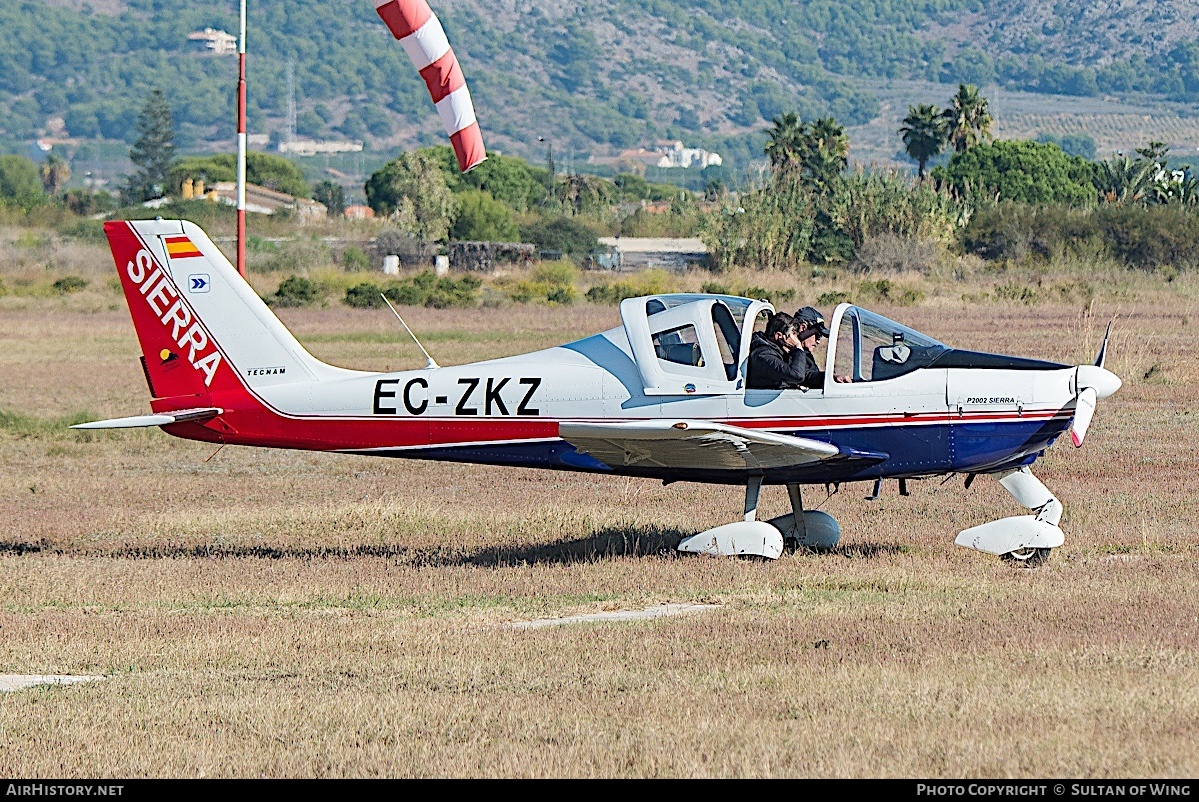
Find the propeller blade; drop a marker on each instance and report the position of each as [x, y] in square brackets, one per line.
[1084, 410]
[1099, 360]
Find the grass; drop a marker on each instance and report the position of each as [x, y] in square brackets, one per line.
[280, 613]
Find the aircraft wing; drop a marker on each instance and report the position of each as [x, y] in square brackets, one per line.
[696, 444]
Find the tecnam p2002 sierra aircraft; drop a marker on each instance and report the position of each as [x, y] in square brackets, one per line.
[661, 396]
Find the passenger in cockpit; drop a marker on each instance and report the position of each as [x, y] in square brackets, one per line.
[778, 360]
[781, 357]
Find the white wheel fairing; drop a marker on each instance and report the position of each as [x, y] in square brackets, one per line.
[738, 539]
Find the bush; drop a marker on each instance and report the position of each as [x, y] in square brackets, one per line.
[769, 229]
[85, 230]
[423, 289]
[295, 291]
[556, 273]
[563, 234]
[872, 204]
[364, 296]
[1146, 237]
[69, 284]
[886, 290]
[776, 297]
[550, 282]
[355, 259]
[896, 254]
[406, 295]
[648, 282]
[1017, 231]
[1150, 238]
[289, 255]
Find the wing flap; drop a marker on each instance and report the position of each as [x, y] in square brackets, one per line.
[157, 419]
[693, 444]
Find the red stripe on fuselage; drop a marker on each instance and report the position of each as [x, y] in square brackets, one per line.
[262, 426]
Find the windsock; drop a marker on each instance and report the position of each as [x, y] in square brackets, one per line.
[421, 34]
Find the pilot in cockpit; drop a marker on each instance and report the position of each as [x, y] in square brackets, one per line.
[781, 357]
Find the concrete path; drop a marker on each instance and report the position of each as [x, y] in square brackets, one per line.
[16, 682]
[658, 611]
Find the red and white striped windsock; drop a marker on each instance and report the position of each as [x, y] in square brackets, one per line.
[421, 34]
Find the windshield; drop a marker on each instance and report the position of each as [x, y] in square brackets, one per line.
[871, 347]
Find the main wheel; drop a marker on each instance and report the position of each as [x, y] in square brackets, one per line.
[1030, 557]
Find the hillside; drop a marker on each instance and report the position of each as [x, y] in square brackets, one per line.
[590, 78]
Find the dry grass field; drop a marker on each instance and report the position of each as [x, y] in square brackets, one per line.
[272, 613]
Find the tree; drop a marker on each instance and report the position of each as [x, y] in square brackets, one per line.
[54, 172]
[968, 119]
[1019, 170]
[152, 152]
[510, 180]
[263, 169]
[332, 195]
[413, 192]
[923, 134]
[785, 146]
[817, 153]
[275, 172]
[19, 182]
[825, 153]
[482, 218]
[1124, 180]
[1155, 151]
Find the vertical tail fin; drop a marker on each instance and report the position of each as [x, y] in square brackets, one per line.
[201, 327]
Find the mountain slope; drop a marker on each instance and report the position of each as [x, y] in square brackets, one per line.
[589, 77]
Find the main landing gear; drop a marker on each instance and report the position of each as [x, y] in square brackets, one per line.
[1024, 539]
[800, 528]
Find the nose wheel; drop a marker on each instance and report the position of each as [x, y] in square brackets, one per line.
[1028, 557]
[1023, 539]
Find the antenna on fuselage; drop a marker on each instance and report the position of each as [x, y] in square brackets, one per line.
[430, 362]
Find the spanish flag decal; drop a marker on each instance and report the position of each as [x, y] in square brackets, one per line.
[181, 248]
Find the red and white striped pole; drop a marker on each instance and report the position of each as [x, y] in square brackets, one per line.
[241, 146]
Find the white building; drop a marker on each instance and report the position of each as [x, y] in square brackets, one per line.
[675, 155]
[218, 42]
[311, 147]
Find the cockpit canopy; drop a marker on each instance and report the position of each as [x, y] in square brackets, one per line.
[697, 344]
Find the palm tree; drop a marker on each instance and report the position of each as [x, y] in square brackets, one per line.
[923, 134]
[786, 144]
[826, 153]
[54, 172]
[1124, 180]
[827, 135]
[967, 120]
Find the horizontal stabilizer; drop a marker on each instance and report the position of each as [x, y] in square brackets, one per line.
[158, 419]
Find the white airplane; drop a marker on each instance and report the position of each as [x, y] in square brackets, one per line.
[662, 396]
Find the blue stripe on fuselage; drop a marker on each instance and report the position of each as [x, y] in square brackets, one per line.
[919, 450]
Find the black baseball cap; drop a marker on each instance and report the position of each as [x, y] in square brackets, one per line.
[809, 321]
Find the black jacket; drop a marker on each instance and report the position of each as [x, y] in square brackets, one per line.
[772, 369]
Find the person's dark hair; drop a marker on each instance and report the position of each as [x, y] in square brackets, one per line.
[779, 323]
